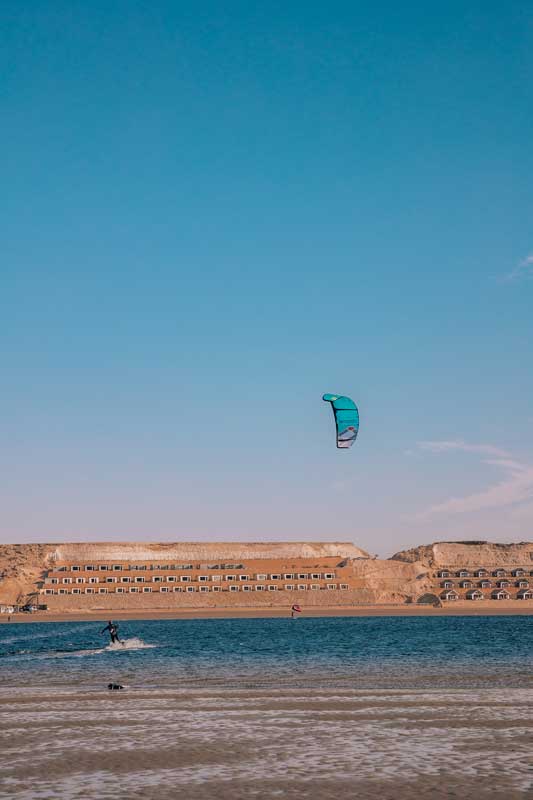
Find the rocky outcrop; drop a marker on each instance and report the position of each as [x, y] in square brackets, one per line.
[22, 566]
[388, 581]
[469, 554]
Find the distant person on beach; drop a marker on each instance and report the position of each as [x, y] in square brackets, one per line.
[295, 610]
[113, 631]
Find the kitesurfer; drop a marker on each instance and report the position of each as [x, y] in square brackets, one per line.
[112, 627]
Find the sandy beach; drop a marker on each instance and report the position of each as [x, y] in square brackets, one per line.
[455, 609]
[271, 743]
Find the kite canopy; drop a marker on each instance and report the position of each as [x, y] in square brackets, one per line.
[346, 419]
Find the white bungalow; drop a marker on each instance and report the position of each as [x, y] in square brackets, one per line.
[518, 573]
[525, 594]
[523, 584]
[465, 584]
[500, 594]
[499, 573]
[447, 584]
[444, 573]
[481, 573]
[464, 573]
[475, 594]
[485, 584]
[502, 584]
[449, 595]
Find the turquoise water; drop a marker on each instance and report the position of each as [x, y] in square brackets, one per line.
[351, 652]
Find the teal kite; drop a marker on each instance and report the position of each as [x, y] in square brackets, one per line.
[346, 419]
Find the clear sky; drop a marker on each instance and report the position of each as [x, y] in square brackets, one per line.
[211, 214]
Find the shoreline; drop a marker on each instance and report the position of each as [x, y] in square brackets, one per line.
[471, 610]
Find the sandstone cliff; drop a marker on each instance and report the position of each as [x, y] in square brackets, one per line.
[469, 554]
[201, 551]
[23, 565]
[404, 577]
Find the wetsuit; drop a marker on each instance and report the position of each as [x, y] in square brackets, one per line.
[113, 632]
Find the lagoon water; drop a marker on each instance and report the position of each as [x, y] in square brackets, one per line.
[356, 652]
[311, 708]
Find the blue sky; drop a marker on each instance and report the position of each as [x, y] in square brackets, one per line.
[213, 214]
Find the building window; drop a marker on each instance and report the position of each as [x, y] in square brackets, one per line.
[139, 580]
[94, 580]
[110, 580]
[191, 589]
[315, 576]
[261, 577]
[75, 569]
[329, 575]
[164, 589]
[216, 577]
[185, 579]
[206, 588]
[331, 586]
[67, 580]
[272, 587]
[158, 578]
[244, 577]
[289, 587]
[171, 579]
[315, 586]
[215, 589]
[343, 586]
[288, 576]
[275, 577]
[231, 577]
[147, 589]
[117, 567]
[234, 588]
[259, 588]
[126, 580]
[62, 591]
[245, 588]
[88, 590]
[134, 589]
[80, 580]
[103, 567]
[49, 591]
[119, 590]
[54, 580]
[76, 591]
[302, 576]
[102, 590]
[302, 587]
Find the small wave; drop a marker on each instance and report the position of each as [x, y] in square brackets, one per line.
[128, 644]
[117, 647]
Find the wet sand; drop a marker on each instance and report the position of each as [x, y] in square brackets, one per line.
[266, 743]
[487, 608]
